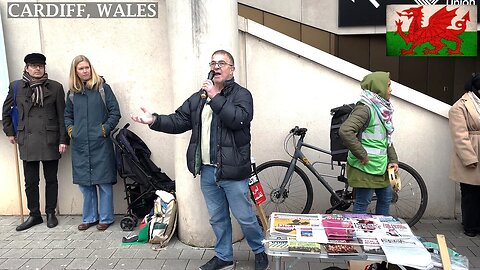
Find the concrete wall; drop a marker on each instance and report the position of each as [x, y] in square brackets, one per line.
[296, 85]
[132, 55]
[319, 14]
[292, 84]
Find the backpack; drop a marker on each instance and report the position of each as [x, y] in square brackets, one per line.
[13, 109]
[339, 115]
[102, 94]
[164, 221]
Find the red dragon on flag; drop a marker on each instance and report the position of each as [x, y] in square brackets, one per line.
[439, 28]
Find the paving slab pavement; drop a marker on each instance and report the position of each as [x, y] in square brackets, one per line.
[65, 247]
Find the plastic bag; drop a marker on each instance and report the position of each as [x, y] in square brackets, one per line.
[458, 261]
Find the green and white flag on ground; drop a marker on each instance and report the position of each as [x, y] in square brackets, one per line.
[433, 30]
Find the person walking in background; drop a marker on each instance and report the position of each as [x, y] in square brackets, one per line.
[369, 156]
[464, 122]
[91, 113]
[219, 116]
[41, 135]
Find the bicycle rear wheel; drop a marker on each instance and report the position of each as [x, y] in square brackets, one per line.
[411, 201]
[298, 194]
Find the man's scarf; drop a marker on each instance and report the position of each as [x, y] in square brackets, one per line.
[37, 87]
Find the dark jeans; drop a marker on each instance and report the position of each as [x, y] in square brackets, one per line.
[32, 179]
[469, 204]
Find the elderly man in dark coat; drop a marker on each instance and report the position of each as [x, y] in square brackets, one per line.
[41, 134]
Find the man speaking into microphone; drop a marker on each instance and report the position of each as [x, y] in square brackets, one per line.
[219, 115]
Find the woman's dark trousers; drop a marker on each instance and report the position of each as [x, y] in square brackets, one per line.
[470, 205]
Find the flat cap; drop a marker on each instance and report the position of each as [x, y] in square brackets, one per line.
[35, 58]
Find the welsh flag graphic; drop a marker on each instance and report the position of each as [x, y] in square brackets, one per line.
[433, 30]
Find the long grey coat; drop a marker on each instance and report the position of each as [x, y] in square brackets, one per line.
[93, 159]
[40, 129]
[464, 122]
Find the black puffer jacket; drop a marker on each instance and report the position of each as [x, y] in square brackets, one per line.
[234, 109]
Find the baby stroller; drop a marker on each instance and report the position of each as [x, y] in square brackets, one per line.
[140, 175]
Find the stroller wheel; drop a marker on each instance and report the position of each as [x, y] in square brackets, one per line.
[128, 223]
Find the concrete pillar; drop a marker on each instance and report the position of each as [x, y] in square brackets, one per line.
[196, 28]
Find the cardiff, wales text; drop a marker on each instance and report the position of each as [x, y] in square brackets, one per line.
[82, 10]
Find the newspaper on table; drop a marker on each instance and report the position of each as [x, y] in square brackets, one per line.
[367, 227]
[311, 234]
[284, 224]
[301, 232]
[278, 245]
[343, 248]
[397, 230]
[349, 234]
[406, 251]
[303, 247]
[338, 227]
[371, 246]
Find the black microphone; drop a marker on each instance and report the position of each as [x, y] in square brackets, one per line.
[210, 76]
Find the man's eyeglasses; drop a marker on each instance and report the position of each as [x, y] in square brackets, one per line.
[220, 64]
[35, 66]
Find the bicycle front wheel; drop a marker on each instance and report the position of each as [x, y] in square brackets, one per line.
[411, 201]
[298, 194]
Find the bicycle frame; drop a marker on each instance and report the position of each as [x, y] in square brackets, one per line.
[299, 155]
[287, 176]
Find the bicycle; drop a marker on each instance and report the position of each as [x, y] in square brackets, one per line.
[289, 189]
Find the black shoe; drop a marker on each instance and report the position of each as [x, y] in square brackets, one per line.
[31, 221]
[470, 233]
[52, 220]
[217, 264]
[261, 261]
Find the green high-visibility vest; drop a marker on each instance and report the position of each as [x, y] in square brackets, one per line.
[374, 140]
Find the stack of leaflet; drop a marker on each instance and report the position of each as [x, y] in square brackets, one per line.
[353, 235]
[340, 233]
[295, 233]
[402, 247]
[338, 227]
[283, 225]
[406, 251]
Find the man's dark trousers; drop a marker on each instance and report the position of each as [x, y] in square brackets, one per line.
[32, 180]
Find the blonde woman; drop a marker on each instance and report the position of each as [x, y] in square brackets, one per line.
[91, 113]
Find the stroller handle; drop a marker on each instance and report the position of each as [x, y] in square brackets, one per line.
[112, 134]
[115, 130]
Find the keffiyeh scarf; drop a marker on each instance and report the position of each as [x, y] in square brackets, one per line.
[382, 107]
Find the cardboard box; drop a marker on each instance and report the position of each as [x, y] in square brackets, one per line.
[358, 265]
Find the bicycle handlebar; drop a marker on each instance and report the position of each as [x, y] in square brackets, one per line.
[298, 131]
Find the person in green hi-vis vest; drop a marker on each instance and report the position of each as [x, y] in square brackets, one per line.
[371, 152]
